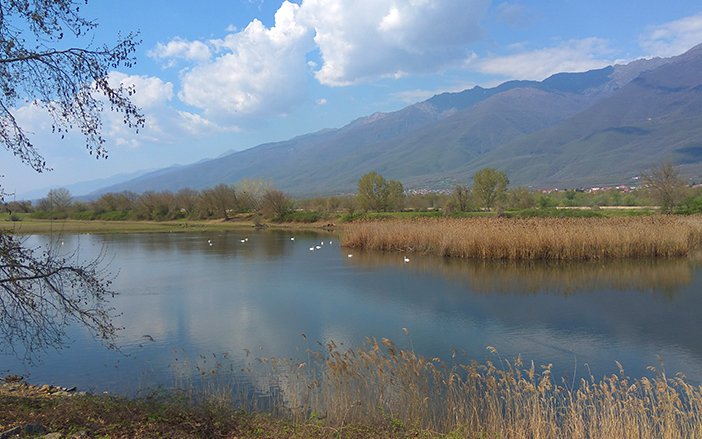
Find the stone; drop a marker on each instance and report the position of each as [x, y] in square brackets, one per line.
[11, 432]
[54, 436]
[13, 378]
[34, 429]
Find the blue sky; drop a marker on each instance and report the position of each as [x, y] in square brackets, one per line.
[231, 74]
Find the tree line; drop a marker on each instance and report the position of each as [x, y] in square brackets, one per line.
[256, 196]
[490, 191]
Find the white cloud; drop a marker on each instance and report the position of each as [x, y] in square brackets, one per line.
[181, 49]
[257, 71]
[260, 72]
[570, 56]
[365, 40]
[150, 91]
[673, 38]
[164, 124]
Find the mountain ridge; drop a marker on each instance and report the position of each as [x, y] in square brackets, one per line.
[536, 131]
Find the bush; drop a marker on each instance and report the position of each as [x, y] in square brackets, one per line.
[50, 215]
[88, 215]
[115, 215]
[300, 217]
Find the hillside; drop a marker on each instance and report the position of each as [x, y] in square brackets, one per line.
[571, 129]
[656, 116]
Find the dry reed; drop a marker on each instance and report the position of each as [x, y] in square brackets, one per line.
[567, 239]
[379, 385]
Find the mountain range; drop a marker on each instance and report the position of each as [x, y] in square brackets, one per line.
[599, 127]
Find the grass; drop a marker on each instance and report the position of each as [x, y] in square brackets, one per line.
[566, 239]
[37, 226]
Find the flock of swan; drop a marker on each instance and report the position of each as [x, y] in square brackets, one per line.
[313, 248]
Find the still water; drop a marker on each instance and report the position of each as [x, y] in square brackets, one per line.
[260, 290]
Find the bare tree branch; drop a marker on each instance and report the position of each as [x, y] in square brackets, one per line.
[41, 294]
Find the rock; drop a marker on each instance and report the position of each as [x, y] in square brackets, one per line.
[13, 378]
[11, 432]
[54, 436]
[34, 429]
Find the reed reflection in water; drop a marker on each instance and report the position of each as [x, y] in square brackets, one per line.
[531, 277]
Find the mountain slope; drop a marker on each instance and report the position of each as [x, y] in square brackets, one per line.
[656, 116]
[570, 128]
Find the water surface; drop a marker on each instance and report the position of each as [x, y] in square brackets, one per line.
[260, 290]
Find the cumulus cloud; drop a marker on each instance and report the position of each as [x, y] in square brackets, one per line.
[179, 48]
[365, 40]
[256, 71]
[570, 56]
[164, 124]
[673, 38]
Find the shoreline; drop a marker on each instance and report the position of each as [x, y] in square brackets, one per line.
[68, 226]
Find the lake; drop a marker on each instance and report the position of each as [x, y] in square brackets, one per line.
[260, 290]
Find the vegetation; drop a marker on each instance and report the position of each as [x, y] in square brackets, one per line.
[41, 292]
[69, 83]
[382, 391]
[489, 187]
[665, 185]
[262, 198]
[375, 194]
[531, 239]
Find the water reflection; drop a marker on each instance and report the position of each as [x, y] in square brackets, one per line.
[663, 276]
[231, 244]
[209, 293]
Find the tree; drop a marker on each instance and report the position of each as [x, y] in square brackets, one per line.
[67, 82]
[665, 185]
[218, 200]
[396, 195]
[275, 203]
[41, 293]
[489, 186]
[461, 197]
[187, 200]
[57, 200]
[522, 198]
[250, 193]
[373, 192]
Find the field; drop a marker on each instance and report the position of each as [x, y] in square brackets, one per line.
[37, 226]
[567, 239]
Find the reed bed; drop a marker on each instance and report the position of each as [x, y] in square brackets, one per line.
[563, 239]
[383, 387]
